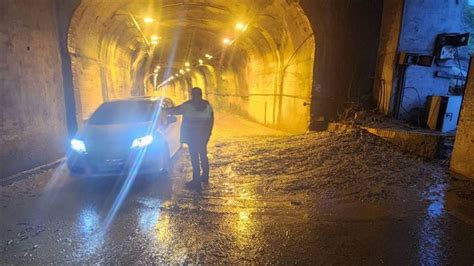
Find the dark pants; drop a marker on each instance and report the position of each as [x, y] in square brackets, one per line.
[199, 160]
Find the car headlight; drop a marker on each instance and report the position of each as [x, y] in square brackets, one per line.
[78, 145]
[142, 142]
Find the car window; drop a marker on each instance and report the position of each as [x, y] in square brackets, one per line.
[123, 112]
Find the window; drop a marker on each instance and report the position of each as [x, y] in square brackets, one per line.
[123, 112]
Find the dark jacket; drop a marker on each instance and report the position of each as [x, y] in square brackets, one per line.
[198, 121]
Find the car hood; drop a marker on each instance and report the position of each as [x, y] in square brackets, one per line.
[118, 136]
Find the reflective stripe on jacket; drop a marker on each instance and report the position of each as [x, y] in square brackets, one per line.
[197, 124]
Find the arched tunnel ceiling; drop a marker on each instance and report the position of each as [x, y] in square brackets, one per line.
[187, 29]
[112, 38]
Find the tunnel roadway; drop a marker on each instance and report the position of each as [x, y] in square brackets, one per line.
[273, 198]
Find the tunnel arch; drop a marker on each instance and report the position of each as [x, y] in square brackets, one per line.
[266, 74]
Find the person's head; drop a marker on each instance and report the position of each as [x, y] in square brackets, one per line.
[196, 93]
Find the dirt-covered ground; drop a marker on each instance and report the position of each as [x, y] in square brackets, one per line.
[317, 198]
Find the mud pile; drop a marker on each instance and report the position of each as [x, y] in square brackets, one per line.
[350, 164]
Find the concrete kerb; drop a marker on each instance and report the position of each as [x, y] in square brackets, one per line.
[5, 181]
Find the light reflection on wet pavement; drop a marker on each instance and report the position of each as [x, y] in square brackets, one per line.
[333, 203]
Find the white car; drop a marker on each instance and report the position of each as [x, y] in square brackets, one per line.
[126, 135]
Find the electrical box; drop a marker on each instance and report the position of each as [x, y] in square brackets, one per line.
[447, 44]
[443, 112]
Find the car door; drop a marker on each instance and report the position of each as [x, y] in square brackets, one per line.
[171, 131]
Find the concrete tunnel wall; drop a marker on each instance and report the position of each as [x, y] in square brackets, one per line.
[105, 57]
[33, 116]
[462, 162]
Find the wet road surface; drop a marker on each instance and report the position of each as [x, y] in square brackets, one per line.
[320, 198]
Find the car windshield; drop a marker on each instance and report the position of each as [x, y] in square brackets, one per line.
[123, 112]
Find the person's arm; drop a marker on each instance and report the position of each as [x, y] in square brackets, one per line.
[177, 110]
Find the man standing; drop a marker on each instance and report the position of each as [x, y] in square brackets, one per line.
[196, 129]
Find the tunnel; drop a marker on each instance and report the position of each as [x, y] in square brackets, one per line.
[311, 146]
[252, 58]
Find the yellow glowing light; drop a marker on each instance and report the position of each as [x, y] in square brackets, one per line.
[158, 67]
[188, 69]
[208, 55]
[227, 41]
[154, 42]
[243, 216]
[201, 61]
[156, 71]
[177, 75]
[148, 20]
[187, 64]
[181, 71]
[241, 26]
[154, 37]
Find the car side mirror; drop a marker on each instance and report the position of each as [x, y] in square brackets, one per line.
[171, 119]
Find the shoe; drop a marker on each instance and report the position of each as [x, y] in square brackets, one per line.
[193, 185]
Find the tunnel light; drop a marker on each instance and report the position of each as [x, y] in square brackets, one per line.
[201, 61]
[187, 64]
[188, 69]
[158, 67]
[227, 41]
[181, 71]
[176, 75]
[148, 20]
[154, 42]
[207, 55]
[154, 37]
[241, 26]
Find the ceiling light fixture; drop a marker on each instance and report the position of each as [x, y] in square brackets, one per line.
[241, 26]
[148, 20]
[227, 41]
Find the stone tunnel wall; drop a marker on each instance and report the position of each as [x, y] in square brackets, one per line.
[347, 36]
[103, 62]
[33, 127]
[463, 154]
